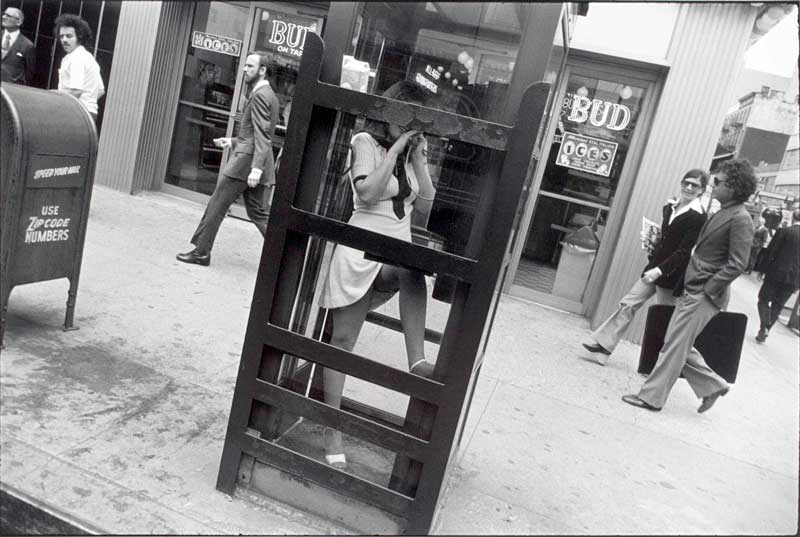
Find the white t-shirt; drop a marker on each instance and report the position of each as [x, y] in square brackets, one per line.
[80, 71]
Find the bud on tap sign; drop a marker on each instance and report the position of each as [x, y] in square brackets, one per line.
[597, 112]
[286, 34]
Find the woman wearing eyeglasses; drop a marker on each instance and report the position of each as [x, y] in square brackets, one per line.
[683, 219]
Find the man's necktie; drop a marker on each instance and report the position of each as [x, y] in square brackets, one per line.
[6, 43]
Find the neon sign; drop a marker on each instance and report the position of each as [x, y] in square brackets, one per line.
[599, 113]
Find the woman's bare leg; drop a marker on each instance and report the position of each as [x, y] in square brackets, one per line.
[347, 323]
[413, 307]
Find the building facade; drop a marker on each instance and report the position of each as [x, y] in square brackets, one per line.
[633, 106]
[788, 179]
[759, 131]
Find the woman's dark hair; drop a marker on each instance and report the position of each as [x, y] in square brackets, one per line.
[82, 30]
[697, 173]
[402, 91]
[740, 177]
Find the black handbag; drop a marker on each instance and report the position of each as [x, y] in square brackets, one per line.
[720, 342]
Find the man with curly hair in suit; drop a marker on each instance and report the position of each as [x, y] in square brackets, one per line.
[719, 257]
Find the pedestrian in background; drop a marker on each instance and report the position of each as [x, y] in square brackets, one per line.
[79, 73]
[760, 238]
[251, 170]
[682, 219]
[781, 268]
[719, 257]
[19, 55]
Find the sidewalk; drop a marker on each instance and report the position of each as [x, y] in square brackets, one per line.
[120, 425]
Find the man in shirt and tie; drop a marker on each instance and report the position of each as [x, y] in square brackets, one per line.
[19, 55]
[251, 169]
[719, 257]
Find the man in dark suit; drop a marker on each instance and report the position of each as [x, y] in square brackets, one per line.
[720, 256]
[781, 269]
[251, 170]
[19, 55]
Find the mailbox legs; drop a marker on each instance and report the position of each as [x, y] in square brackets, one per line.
[71, 295]
[3, 312]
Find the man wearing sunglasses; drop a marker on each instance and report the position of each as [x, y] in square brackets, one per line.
[718, 258]
[19, 55]
[683, 218]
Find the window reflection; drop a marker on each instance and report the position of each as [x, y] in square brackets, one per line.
[206, 97]
[465, 52]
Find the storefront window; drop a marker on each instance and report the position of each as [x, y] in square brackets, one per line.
[469, 50]
[283, 33]
[40, 16]
[212, 94]
[597, 120]
[206, 98]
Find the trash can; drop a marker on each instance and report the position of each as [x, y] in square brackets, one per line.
[578, 251]
[49, 145]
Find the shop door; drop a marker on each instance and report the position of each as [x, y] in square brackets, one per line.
[279, 28]
[213, 93]
[591, 159]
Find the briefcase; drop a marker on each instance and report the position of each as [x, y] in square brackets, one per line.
[720, 342]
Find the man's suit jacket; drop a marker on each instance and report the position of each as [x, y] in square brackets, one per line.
[19, 65]
[673, 250]
[721, 254]
[252, 148]
[782, 257]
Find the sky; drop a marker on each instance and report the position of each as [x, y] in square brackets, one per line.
[777, 51]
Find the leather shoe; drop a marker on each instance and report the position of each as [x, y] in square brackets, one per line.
[762, 335]
[195, 257]
[596, 348]
[635, 401]
[709, 400]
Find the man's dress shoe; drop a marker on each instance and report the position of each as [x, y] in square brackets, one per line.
[195, 258]
[762, 335]
[596, 348]
[709, 400]
[635, 401]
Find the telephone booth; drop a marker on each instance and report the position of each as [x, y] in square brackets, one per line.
[400, 430]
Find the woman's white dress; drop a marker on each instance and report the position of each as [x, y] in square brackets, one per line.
[350, 275]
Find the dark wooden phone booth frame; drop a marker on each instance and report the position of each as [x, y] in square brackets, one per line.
[438, 407]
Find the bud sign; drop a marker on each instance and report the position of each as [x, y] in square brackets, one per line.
[285, 34]
[580, 109]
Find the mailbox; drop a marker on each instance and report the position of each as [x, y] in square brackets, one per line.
[49, 144]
